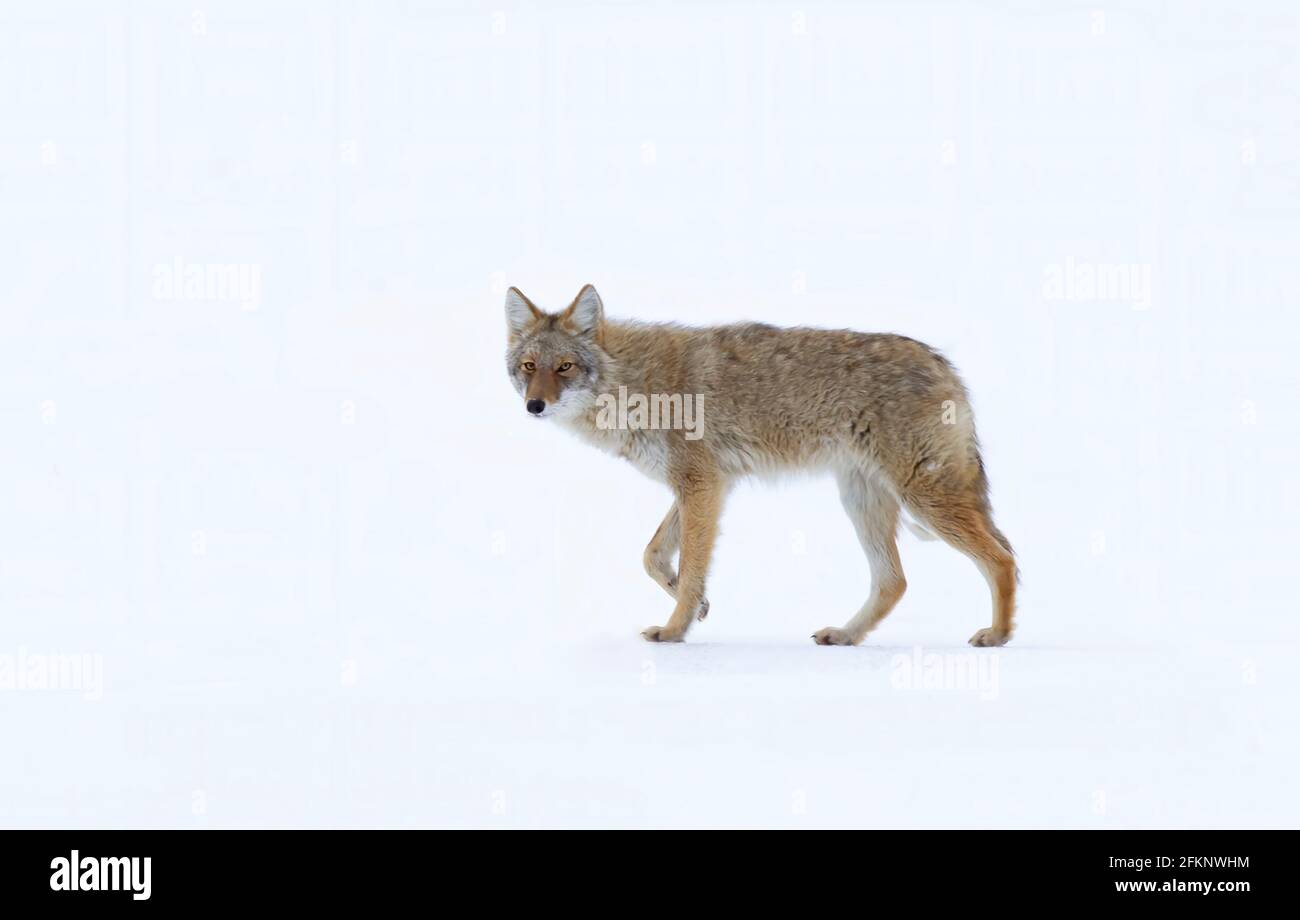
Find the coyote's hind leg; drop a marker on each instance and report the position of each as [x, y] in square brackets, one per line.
[967, 525]
[874, 512]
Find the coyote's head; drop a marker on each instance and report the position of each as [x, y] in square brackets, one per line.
[556, 360]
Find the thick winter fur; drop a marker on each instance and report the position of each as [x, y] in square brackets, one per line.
[886, 415]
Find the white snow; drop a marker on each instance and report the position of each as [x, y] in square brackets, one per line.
[335, 576]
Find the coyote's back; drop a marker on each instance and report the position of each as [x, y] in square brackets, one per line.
[792, 398]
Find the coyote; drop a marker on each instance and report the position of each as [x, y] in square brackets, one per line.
[886, 414]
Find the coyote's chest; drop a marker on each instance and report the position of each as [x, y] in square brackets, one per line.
[645, 450]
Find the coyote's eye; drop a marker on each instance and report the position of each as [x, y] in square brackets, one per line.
[529, 367]
[565, 367]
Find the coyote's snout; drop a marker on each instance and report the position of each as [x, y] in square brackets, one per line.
[698, 409]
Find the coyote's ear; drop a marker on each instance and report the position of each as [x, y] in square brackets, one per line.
[586, 314]
[520, 312]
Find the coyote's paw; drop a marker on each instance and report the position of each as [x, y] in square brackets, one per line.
[660, 634]
[703, 611]
[832, 635]
[990, 637]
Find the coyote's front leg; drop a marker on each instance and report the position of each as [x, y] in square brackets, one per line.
[659, 554]
[699, 504]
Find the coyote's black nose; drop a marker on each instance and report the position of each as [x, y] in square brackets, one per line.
[536, 406]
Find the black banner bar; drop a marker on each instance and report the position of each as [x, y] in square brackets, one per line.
[368, 868]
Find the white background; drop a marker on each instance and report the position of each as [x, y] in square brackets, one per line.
[337, 577]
